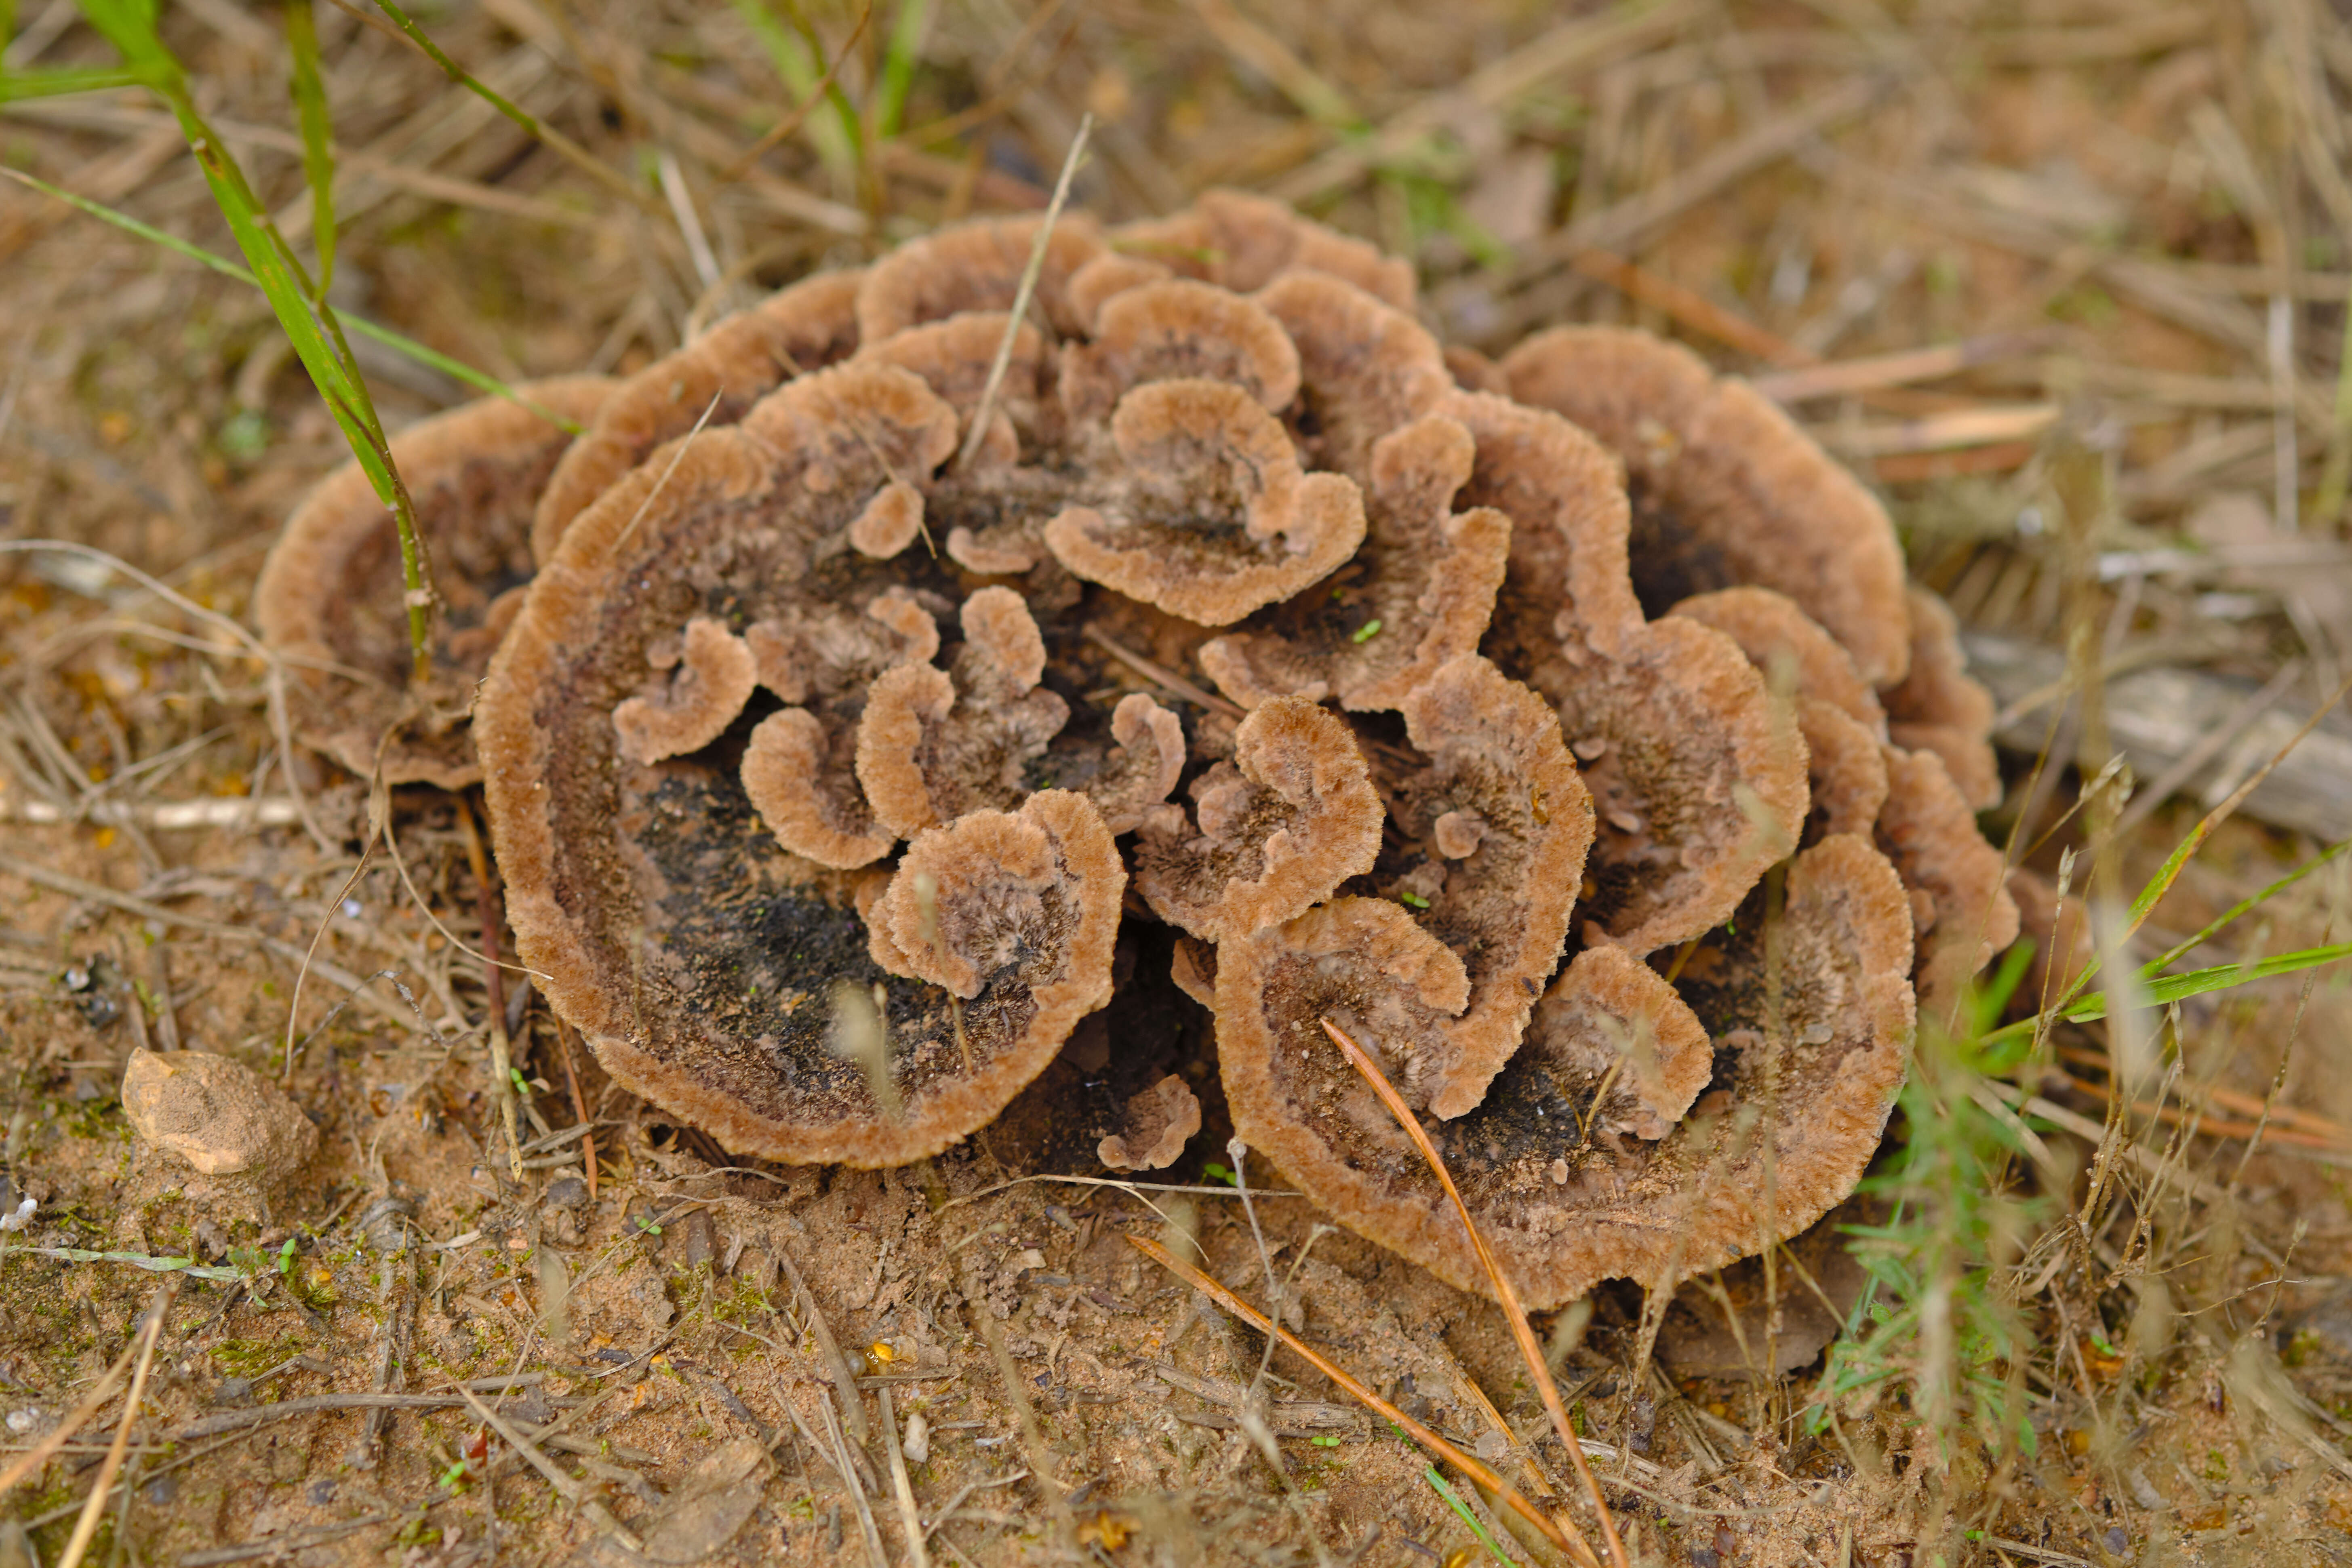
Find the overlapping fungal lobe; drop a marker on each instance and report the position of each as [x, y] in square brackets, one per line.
[699, 952]
[1803, 1034]
[1725, 489]
[934, 744]
[1216, 518]
[976, 266]
[1960, 903]
[331, 599]
[1243, 242]
[1417, 592]
[1938, 707]
[1698, 780]
[1503, 825]
[712, 380]
[1697, 784]
[698, 686]
[799, 764]
[1271, 832]
[1159, 1121]
[1838, 715]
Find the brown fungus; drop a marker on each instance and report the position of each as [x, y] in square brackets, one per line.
[992, 892]
[1726, 488]
[699, 686]
[1938, 707]
[956, 358]
[711, 382]
[1179, 330]
[331, 599]
[1837, 714]
[1770, 630]
[1696, 783]
[1143, 770]
[976, 266]
[1242, 242]
[800, 765]
[1643, 1053]
[1417, 592]
[1159, 1121]
[1567, 1201]
[1845, 767]
[1960, 903]
[1218, 518]
[1288, 819]
[934, 746]
[1364, 368]
[1502, 905]
[697, 953]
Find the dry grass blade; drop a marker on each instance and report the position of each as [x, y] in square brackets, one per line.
[30, 1461]
[571, 1491]
[1020, 296]
[95, 1508]
[1508, 1298]
[1477, 1471]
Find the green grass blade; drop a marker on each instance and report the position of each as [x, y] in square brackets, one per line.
[2220, 977]
[2155, 967]
[799, 66]
[318, 136]
[18, 86]
[306, 322]
[547, 134]
[898, 61]
[456, 369]
[1429, 1473]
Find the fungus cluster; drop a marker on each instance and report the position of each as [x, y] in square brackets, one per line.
[881, 736]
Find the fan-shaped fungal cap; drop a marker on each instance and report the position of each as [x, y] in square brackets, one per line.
[1846, 768]
[1144, 769]
[975, 267]
[1564, 1201]
[1641, 1053]
[1502, 904]
[1771, 628]
[1961, 904]
[712, 380]
[1242, 242]
[1565, 495]
[1838, 716]
[1159, 1121]
[1698, 782]
[932, 747]
[1418, 592]
[1220, 519]
[1292, 816]
[1364, 368]
[1035, 891]
[331, 599]
[699, 687]
[1726, 488]
[1179, 330]
[1939, 708]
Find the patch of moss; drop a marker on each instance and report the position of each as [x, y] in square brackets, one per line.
[251, 1358]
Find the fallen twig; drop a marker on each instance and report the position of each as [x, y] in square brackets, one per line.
[1420, 1434]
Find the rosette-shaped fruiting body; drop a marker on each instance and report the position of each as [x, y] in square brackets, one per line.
[813, 682]
[1556, 1163]
[331, 600]
[883, 763]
